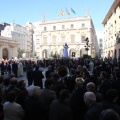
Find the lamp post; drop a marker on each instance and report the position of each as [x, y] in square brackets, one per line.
[87, 45]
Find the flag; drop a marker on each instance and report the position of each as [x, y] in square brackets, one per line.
[62, 13]
[57, 12]
[72, 11]
[67, 12]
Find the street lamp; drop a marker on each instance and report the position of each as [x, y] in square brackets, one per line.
[87, 45]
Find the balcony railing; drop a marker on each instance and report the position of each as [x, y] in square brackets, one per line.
[60, 43]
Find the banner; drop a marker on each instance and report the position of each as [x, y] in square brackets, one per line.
[67, 12]
[62, 13]
[72, 11]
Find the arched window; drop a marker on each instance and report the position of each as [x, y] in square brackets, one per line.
[72, 38]
[63, 39]
[83, 37]
[54, 39]
[5, 53]
[45, 40]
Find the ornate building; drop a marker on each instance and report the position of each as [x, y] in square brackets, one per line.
[21, 34]
[50, 36]
[111, 24]
[8, 48]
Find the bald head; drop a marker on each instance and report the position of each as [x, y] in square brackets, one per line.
[90, 87]
[89, 98]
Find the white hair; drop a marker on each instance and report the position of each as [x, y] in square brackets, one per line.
[34, 91]
[89, 98]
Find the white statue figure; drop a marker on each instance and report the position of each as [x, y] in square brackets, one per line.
[65, 50]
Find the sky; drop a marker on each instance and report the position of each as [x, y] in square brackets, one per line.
[22, 11]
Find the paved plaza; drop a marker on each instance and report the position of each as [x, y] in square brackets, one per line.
[25, 78]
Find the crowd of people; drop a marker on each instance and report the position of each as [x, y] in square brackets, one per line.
[74, 89]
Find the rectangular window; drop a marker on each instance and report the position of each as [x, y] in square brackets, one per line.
[44, 40]
[72, 26]
[83, 24]
[101, 45]
[83, 39]
[45, 28]
[63, 26]
[72, 38]
[100, 40]
[54, 27]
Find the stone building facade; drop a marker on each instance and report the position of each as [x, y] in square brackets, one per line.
[50, 36]
[8, 48]
[111, 24]
[21, 34]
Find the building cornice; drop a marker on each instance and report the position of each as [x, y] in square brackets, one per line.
[8, 41]
[114, 5]
[73, 19]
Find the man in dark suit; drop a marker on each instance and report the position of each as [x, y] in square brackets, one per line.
[60, 109]
[110, 100]
[15, 68]
[9, 67]
[38, 76]
[48, 95]
[116, 82]
[94, 108]
[58, 84]
[106, 83]
[70, 81]
[29, 75]
[48, 72]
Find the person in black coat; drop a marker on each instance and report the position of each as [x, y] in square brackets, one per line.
[29, 73]
[77, 102]
[58, 84]
[110, 100]
[48, 72]
[38, 76]
[116, 82]
[109, 114]
[13, 86]
[106, 83]
[2, 67]
[70, 81]
[34, 108]
[9, 67]
[86, 77]
[60, 109]
[90, 87]
[15, 68]
[94, 109]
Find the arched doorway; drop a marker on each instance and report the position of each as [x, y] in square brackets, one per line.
[5, 53]
[45, 53]
[82, 52]
[72, 53]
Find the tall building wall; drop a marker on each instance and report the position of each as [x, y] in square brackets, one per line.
[111, 24]
[50, 36]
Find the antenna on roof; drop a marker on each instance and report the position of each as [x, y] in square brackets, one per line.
[13, 21]
[43, 17]
[87, 12]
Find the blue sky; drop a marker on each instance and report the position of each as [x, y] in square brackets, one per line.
[22, 11]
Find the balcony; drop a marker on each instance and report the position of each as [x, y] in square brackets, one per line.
[59, 43]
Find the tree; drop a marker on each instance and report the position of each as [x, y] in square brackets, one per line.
[20, 52]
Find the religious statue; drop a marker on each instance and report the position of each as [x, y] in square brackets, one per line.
[65, 50]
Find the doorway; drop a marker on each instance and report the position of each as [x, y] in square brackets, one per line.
[5, 54]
